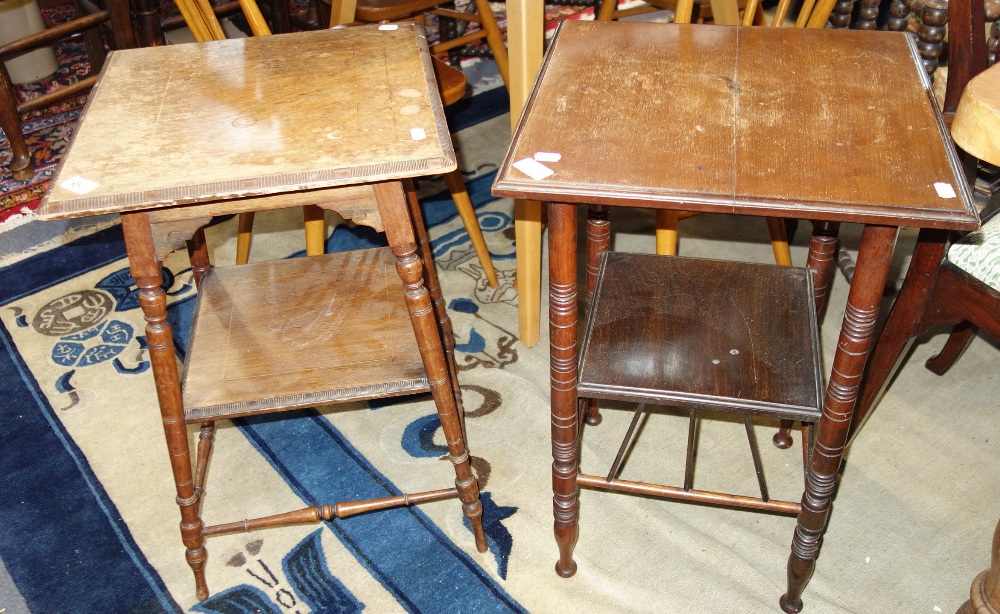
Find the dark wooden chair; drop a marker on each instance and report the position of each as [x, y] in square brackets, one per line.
[976, 129]
[112, 16]
[932, 31]
[948, 282]
[648, 341]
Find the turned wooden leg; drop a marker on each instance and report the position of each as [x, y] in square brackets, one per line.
[563, 365]
[984, 596]
[868, 15]
[822, 262]
[148, 275]
[399, 231]
[841, 15]
[959, 339]
[598, 242]
[437, 299]
[10, 122]
[930, 36]
[855, 340]
[459, 194]
[903, 322]
[198, 255]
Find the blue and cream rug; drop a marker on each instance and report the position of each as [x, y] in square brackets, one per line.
[88, 521]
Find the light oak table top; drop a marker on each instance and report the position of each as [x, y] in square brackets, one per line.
[251, 117]
[817, 124]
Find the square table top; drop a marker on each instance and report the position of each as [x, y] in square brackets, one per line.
[256, 116]
[817, 124]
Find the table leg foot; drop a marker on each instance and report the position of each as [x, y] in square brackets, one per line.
[783, 438]
[566, 540]
[799, 572]
[593, 413]
[564, 570]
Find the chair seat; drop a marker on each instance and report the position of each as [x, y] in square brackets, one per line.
[382, 10]
[703, 334]
[336, 328]
[978, 253]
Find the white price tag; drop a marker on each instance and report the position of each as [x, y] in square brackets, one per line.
[547, 156]
[79, 185]
[945, 190]
[533, 168]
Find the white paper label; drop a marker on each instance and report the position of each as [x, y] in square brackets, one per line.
[533, 168]
[418, 134]
[388, 26]
[548, 156]
[945, 190]
[79, 185]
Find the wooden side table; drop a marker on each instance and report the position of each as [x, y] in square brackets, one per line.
[758, 121]
[175, 135]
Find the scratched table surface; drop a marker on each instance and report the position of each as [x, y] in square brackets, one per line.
[205, 122]
[837, 125]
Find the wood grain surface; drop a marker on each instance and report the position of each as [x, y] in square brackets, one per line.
[229, 119]
[298, 332]
[836, 125]
[697, 333]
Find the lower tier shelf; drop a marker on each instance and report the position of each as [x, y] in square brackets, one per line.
[301, 332]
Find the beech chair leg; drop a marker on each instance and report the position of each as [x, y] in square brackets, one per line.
[459, 194]
[494, 39]
[399, 231]
[315, 227]
[779, 241]
[666, 232]
[244, 237]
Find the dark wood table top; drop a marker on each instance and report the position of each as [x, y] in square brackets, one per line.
[233, 119]
[817, 124]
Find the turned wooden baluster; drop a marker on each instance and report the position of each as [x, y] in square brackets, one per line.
[822, 262]
[598, 242]
[841, 15]
[868, 15]
[855, 340]
[148, 274]
[993, 42]
[933, 16]
[563, 360]
[393, 208]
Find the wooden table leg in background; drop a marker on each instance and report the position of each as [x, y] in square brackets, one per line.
[563, 363]
[855, 341]
[525, 44]
[985, 593]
